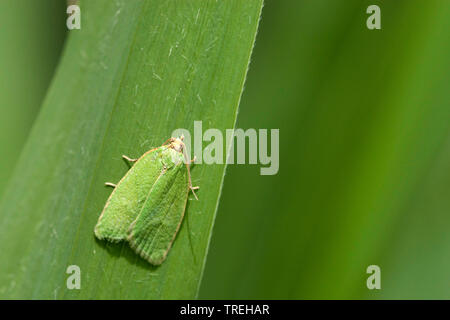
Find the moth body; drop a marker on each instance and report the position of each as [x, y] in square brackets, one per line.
[147, 206]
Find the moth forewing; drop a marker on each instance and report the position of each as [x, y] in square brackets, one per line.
[154, 230]
[125, 201]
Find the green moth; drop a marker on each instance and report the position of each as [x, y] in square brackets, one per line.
[147, 206]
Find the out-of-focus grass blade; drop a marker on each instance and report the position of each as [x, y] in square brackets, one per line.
[135, 71]
[30, 45]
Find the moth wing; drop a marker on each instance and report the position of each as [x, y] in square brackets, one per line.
[154, 230]
[128, 197]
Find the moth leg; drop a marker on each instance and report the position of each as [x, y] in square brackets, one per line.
[129, 159]
[190, 182]
[170, 140]
[109, 184]
[188, 165]
[192, 189]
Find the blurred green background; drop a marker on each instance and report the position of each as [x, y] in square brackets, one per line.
[364, 147]
[364, 157]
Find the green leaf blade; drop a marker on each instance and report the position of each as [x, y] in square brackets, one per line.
[135, 71]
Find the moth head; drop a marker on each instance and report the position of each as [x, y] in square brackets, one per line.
[177, 144]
